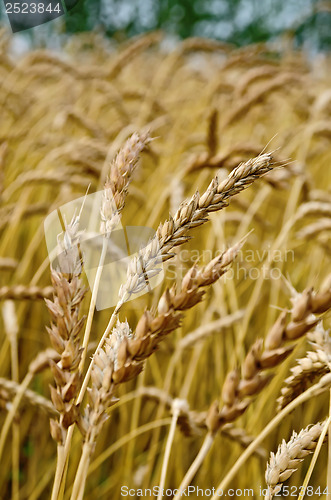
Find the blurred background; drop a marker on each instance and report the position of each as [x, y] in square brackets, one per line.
[306, 23]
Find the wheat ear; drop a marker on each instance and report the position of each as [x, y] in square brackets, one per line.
[314, 365]
[23, 292]
[113, 200]
[191, 213]
[285, 461]
[64, 332]
[239, 388]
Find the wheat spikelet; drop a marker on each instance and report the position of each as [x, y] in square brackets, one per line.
[314, 365]
[229, 159]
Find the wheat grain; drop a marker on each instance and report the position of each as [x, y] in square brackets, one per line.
[65, 329]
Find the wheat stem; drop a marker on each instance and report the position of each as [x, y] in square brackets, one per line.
[92, 304]
[60, 464]
[196, 464]
[170, 439]
[80, 479]
[14, 406]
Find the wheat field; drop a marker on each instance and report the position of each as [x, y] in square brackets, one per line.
[219, 376]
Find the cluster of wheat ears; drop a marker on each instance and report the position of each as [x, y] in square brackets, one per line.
[199, 379]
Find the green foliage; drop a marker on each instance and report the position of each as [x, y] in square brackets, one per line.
[236, 21]
[239, 22]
